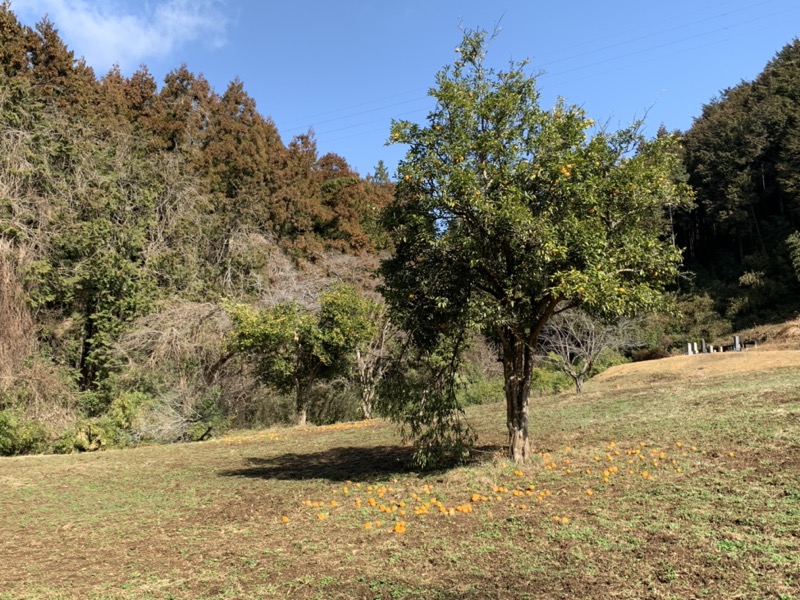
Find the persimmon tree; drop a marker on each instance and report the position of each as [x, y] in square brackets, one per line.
[293, 347]
[505, 213]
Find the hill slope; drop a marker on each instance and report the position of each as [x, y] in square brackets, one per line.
[699, 367]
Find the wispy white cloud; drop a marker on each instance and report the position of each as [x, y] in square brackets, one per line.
[106, 32]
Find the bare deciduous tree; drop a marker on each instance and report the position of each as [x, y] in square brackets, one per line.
[372, 359]
[573, 340]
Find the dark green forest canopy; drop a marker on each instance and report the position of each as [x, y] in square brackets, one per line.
[742, 156]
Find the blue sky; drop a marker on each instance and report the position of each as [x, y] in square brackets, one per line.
[347, 68]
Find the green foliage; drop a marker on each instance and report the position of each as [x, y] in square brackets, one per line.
[115, 425]
[481, 390]
[292, 347]
[504, 210]
[345, 321]
[756, 293]
[334, 402]
[741, 155]
[122, 196]
[283, 340]
[87, 436]
[207, 419]
[697, 317]
[119, 421]
[548, 379]
[133, 417]
[20, 435]
[92, 240]
[476, 388]
[609, 357]
[422, 393]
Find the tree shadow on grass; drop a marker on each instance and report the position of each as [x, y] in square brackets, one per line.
[341, 464]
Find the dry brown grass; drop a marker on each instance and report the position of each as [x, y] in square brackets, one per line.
[774, 336]
[700, 367]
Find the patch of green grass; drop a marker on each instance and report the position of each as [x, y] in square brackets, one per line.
[694, 492]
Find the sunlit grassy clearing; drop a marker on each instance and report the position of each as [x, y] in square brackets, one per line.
[689, 488]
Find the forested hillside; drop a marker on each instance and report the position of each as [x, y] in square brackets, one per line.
[743, 161]
[141, 221]
[128, 209]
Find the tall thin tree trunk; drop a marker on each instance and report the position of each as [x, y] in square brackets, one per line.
[367, 381]
[85, 366]
[302, 416]
[758, 230]
[367, 396]
[303, 389]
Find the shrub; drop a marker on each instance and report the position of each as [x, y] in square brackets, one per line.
[608, 358]
[334, 402]
[654, 353]
[549, 380]
[87, 436]
[122, 417]
[19, 435]
[482, 390]
[135, 417]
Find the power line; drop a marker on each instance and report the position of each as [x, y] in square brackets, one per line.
[664, 45]
[549, 75]
[360, 113]
[354, 106]
[649, 35]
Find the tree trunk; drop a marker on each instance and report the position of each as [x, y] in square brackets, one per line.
[367, 379]
[367, 396]
[518, 348]
[580, 376]
[517, 370]
[87, 370]
[303, 389]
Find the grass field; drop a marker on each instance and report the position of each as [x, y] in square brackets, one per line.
[673, 479]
